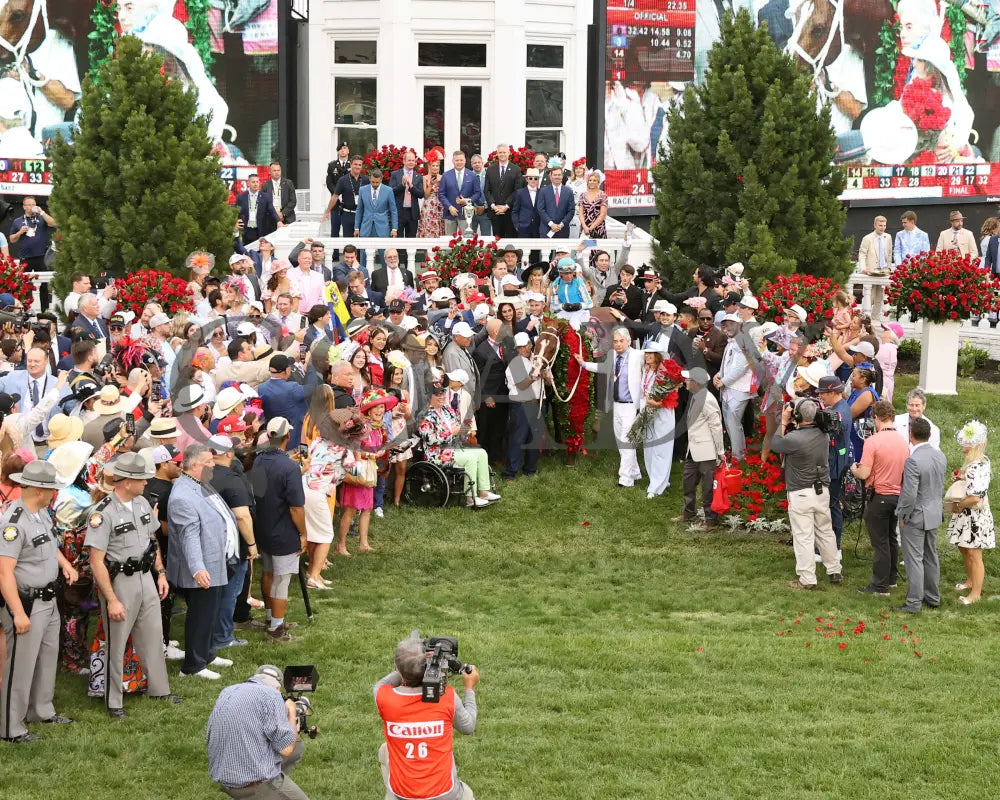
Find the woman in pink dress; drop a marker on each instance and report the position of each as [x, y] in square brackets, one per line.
[887, 356]
[431, 223]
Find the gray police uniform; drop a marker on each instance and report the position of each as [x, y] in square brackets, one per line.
[29, 676]
[125, 535]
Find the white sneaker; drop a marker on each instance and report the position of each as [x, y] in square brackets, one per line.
[819, 559]
[379, 513]
[219, 661]
[173, 653]
[173, 643]
[481, 502]
[492, 497]
[840, 556]
[206, 673]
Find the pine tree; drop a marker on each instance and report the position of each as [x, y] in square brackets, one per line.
[137, 188]
[748, 175]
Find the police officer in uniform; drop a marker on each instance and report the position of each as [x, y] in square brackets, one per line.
[30, 562]
[128, 570]
[336, 170]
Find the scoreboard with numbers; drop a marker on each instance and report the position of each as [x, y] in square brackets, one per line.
[926, 180]
[28, 177]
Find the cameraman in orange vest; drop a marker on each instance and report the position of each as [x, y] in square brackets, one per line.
[417, 761]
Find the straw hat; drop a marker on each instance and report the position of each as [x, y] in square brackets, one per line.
[69, 459]
[63, 429]
[109, 401]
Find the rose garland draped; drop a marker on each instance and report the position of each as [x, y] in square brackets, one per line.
[574, 417]
[14, 280]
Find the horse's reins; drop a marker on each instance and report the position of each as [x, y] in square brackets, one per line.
[19, 52]
[547, 364]
[818, 62]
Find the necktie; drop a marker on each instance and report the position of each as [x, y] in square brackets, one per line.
[557, 197]
[40, 428]
[618, 371]
[503, 169]
[34, 393]
[375, 196]
[454, 401]
[406, 194]
[458, 180]
[252, 213]
[881, 253]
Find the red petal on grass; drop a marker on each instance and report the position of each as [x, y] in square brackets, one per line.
[585, 524]
[842, 646]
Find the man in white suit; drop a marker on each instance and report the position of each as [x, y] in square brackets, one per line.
[624, 368]
[875, 253]
[705, 447]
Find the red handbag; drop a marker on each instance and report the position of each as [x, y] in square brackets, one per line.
[720, 492]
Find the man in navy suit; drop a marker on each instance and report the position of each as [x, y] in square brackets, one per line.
[88, 317]
[555, 206]
[376, 214]
[459, 187]
[525, 210]
[408, 188]
[283, 397]
[257, 215]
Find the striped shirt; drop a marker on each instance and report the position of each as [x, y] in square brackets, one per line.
[246, 730]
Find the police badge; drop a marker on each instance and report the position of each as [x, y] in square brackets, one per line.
[10, 533]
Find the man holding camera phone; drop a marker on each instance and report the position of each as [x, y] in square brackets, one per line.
[417, 760]
[253, 738]
[807, 480]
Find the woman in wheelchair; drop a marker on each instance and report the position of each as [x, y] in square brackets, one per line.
[439, 430]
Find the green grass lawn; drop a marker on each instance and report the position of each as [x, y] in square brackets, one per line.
[624, 658]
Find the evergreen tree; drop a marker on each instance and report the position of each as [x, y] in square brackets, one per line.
[748, 175]
[137, 188]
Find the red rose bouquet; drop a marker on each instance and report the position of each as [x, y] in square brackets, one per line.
[462, 256]
[524, 157]
[15, 281]
[389, 158]
[662, 394]
[924, 104]
[157, 286]
[573, 414]
[943, 287]
[815, 295]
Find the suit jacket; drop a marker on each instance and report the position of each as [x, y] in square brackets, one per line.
[493, 368]
[455, 357]
[99, 327]
[548, 211]
[196, 532]
[449, 190]
[633, 367]
[704, 427]
[966, 242]
[920, 496]
[501, 192]
[633, 300]
[287, 399]
[334, 335]
[380, 281]
[376, 218]
[524, 214]
[416, 192]
[991, 258]
[288, 199]
[868, 252]
[267, 217]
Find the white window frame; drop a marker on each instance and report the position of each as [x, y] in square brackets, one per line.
[367, 71]
[545, 74]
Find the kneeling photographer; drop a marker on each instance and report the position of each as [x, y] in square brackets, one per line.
[253, 739]
[419, 714]
[807, 480]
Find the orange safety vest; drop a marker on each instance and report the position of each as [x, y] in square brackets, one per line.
[418, 736]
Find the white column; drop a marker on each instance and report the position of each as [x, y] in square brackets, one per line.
[321, 116]
[506, 92]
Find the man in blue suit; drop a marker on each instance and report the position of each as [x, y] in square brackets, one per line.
[257, 216]
[555, 206]
[524, 213]
[376, 214]
[283, 397]
[458, 188]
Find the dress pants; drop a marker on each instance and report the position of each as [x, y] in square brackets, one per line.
[482, 224]
[281, 788]
[880, 519]
[29, 675]
[628, 463]
[407, 226]
[837, 507]
[520, 436]
[923, 570]
[502, 225]
[491, 427]
[809, 517]
[199, 626]
[143, 623]
[733, 406]
[695, 471]
[241, 612]
[227, 605]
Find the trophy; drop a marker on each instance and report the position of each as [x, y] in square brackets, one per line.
[470, 211]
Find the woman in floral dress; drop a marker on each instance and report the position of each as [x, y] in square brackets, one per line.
[971, 527]
[593, 209]
[431, 223]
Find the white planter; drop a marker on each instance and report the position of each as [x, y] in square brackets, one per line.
[939, 357]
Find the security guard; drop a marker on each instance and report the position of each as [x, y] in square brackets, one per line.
[121, 535]
[30, 563]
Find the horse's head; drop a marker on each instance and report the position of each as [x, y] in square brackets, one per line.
[818, 34]
[546, 347]
[16, 18]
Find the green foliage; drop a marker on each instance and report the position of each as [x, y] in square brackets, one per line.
[909, 348]
[137, 188]
[971, 358]
[748, 175]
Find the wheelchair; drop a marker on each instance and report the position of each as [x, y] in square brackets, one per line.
[430, 485]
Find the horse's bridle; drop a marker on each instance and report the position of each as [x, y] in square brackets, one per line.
[19, 51]
[805, 10]
[547, 364]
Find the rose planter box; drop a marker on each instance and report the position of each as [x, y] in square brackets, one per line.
[939, 357]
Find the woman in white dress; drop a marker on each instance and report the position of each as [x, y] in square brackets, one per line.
[658, 448]
[971, 528]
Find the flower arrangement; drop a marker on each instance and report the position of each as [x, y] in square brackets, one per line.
[814, 294]
[662, 394]
[524, 157]
[575, 416]
[389, 158]
[463, 256]
[15, 281]
[154, 285]
[943, 287]
[761, 495]
[924, 104]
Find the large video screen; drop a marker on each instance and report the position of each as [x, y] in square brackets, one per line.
[225, 50]
[913, 88]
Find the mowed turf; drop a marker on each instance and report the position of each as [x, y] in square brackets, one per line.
[624, 658]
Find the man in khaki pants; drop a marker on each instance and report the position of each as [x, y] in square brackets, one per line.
[807, 478]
